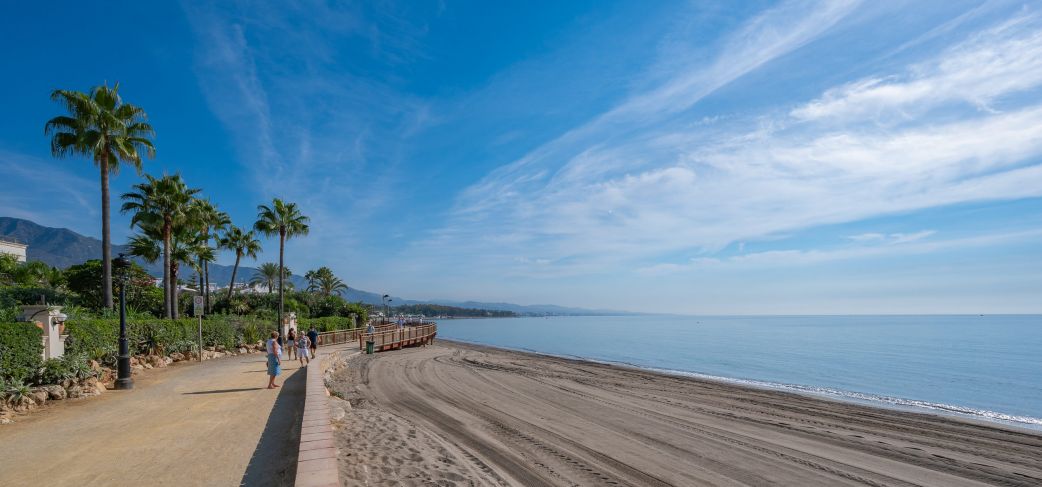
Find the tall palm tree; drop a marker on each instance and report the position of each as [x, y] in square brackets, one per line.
[286, 221]
[165, 204]
[101, 126]
[243, 244]
[211, 222]
[183, 249]
[267, 275]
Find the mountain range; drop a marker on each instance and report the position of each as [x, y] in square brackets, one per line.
[61, 247]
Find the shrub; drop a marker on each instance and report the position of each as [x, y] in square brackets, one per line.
[57, 370]
[20, 349]
[329, 323]
[14, 296]
[97, 338]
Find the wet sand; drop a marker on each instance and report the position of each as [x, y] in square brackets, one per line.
[455, 414]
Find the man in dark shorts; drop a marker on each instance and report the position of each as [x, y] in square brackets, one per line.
[313, 336]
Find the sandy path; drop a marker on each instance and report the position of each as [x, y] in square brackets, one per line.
[189, 424]
[463, 415]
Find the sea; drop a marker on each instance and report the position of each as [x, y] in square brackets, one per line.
[986, 367]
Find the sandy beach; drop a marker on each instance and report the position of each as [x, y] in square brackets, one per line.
[455, 414]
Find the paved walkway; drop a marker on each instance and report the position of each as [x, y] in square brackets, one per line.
[212, 423]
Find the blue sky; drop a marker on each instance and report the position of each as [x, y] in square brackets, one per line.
[691, 157]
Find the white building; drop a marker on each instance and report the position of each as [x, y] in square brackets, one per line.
[13, 248]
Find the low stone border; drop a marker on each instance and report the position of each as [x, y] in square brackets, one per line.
[316, 462]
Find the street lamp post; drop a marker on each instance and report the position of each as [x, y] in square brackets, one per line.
[387, 315]
[123, 379]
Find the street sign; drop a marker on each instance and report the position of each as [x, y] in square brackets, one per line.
[197, 305]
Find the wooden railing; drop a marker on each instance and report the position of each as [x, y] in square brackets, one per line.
[396, 338]
[339, 336]
[387, 336]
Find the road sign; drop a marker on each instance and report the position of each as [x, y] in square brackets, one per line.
[197, 305]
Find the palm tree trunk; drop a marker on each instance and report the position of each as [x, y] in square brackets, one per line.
[169, 286]
[238, 255]
[200, 272]
[106, 237]
[173, 292]
[206, 295]
[282, 251]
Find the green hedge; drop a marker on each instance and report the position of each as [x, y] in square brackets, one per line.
[329, 323]
[98, 338]
[21, 347]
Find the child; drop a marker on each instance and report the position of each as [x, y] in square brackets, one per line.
[303, 349]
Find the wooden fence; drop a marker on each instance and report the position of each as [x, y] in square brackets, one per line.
[386, 336]
[399, 337]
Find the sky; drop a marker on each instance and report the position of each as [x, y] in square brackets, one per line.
[705, 157]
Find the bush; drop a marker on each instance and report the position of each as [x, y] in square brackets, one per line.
[14, 296]
[68, 366]
[97, 338]
[329, 323]
[20, 349]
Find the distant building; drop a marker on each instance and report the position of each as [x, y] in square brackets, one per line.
[13, 248]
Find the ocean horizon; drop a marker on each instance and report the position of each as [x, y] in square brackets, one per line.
[982, 367]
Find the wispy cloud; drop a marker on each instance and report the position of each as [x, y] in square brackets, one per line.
[640, 180]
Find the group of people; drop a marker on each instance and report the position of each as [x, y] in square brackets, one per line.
[302, 345]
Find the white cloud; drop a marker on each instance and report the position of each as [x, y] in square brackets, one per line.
[998, 62]
[632, 185]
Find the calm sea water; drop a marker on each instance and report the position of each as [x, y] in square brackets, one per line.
[987, 367]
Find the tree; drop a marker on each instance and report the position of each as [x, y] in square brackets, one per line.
[185, 247]
[286, 221]
[267, 275]
[162, 204]
[212, 221]
[324, 282]
[142, 294]
[102, 127]
[241, 242]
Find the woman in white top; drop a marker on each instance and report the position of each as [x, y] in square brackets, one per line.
[303, 349]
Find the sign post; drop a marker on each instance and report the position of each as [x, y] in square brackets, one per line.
[197, 309]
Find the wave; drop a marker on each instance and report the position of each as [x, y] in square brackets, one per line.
[876, 399]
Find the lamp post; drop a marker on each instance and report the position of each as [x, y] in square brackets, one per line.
[123, 380]
[387, 315]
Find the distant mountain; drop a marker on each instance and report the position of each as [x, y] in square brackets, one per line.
[534, 309]
[61, 247]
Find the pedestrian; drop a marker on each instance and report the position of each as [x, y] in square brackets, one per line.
[291, 339]
[304, 350]
[274, 359]
[313, 336]
[279, 339]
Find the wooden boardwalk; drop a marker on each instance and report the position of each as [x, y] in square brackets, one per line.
[386, 337]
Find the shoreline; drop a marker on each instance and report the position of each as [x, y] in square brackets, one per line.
[460, 414]
[822, 393]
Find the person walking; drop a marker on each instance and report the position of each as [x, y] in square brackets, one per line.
[274, 359]
[313, 336]
[304, 350]
[291, 343]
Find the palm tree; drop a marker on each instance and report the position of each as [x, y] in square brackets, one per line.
[185, 248]
[324, 282]
[243, 244]
[162, 204]
[210, 220]
[286, 221]
[267, 275]
[101, 126]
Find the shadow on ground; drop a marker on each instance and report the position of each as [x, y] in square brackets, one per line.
[274, 462]
[222, 391]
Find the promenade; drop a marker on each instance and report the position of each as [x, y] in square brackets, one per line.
[212, 423]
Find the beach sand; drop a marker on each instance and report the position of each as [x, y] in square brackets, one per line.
[455, 414]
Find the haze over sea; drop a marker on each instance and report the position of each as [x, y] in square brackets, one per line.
[984, 367]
